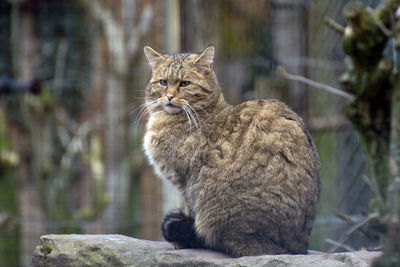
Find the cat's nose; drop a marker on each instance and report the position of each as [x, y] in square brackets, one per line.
[170, 97]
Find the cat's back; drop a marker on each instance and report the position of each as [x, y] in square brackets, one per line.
[263, 143]
[261, 171]
[266, 113]
[265, 128]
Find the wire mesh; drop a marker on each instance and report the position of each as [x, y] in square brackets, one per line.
[81, 168]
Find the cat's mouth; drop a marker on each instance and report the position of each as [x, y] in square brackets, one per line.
[172, 109]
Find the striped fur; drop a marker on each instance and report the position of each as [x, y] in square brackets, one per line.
[249, 174]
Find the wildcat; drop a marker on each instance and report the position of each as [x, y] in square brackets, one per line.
[248, 174]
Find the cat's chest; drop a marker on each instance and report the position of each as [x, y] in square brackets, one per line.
[162, 137]
[168, 148]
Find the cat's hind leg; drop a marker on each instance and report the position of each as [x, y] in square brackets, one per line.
[177, 228]
[238, 245]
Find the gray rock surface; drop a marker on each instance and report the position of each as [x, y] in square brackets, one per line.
[119, 250]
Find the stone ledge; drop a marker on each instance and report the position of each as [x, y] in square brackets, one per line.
[119, 250]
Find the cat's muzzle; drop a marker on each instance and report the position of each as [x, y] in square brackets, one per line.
[171, 108]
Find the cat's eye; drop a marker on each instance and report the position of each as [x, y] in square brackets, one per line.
[163, 82]
[184, 83]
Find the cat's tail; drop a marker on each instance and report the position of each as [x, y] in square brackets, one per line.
[179, 229]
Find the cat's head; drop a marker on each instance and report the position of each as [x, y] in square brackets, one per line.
[181, 82]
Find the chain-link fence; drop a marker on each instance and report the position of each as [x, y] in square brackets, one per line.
[72, 75]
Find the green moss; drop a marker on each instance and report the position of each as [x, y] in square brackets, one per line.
[84, 255]
[99, 256]
[46, 250]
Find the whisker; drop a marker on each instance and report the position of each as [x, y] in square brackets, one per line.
[150, 107]
[195, 117]
[188, 116]
[202, 109]
[131, 108]
[144, 109]
[147, 108]
[198, 106]
[194, 111]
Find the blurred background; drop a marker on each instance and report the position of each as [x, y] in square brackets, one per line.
[72, 76]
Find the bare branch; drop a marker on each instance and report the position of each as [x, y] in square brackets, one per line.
[140, 30]
[355, 227]
[123, 46]
[315, 84]
[335, 243]
[114, 33]
[334, 25]
[379, 23]
[323, 123]
[350, 221]
[372, 183]
[345, 217]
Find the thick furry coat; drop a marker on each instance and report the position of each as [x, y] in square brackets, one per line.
[249, 174]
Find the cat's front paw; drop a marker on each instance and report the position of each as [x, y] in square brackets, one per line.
[179, 229]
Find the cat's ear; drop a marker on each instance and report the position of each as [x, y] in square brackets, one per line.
[206, 58]
[153, 57]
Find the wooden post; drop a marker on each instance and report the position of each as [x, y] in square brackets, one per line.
[172, 45]
[289, 46]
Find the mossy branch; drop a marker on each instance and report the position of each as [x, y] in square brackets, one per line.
[363, 40]
[379, 23]
[380, 79]
[374, 111]
[386, 10]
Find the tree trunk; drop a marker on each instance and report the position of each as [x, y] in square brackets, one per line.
[30, 199]
[369, 78]
[123, 42]
[289, 46]
[375, 112]
[391, 256]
